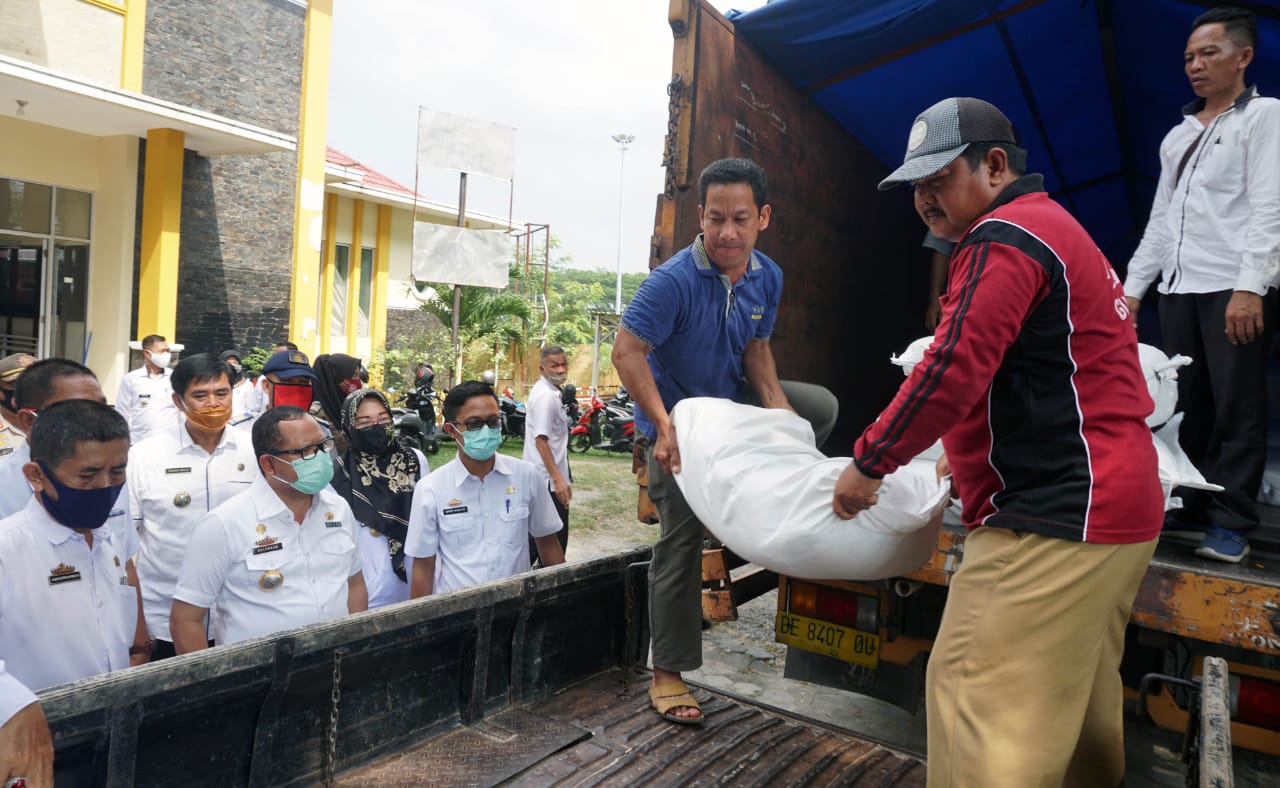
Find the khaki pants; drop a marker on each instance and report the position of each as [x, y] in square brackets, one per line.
[1023, 685]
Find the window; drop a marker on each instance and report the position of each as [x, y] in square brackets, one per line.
[366, 292]
[338, 315]
[25, 207]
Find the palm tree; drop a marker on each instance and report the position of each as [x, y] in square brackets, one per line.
[494, 316]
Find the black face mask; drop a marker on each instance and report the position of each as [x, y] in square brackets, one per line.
[6, 399]
[374, 440]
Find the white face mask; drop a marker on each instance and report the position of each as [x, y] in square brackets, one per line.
[161, 359]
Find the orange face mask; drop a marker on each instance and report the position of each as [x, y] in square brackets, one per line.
[214, 418]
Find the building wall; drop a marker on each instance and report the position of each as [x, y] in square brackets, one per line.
[107, 167]
[241, 59]
[71, 36]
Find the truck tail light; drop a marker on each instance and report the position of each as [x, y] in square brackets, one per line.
[1257, 702]
[833, 605]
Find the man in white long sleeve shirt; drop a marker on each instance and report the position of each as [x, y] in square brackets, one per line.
[1214, 241]
[145, 396]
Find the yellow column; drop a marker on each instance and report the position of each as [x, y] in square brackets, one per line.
[327, 277]
[161, 224]
[306, 328]
[351, 325]
[135, 29]
[381, 281]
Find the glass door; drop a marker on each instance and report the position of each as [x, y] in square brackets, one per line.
[22, 264]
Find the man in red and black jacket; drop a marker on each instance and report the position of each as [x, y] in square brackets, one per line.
[1033, 384]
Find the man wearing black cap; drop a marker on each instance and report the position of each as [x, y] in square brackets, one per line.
[1034, 386]
[286, 380]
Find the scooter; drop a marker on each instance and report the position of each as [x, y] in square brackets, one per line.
[604, 428]
[513, 415]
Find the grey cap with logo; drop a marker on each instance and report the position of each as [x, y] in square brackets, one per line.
[942, 132]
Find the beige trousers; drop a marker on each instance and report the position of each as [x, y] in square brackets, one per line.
[1023, 686]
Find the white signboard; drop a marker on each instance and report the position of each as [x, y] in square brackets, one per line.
[458, 256]
[453, 142]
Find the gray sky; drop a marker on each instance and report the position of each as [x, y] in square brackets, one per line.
[567, 74]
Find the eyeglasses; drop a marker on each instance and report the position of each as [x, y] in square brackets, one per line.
[306, 452]
[475, 424]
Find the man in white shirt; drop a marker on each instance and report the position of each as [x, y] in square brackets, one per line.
[26, 748]
[244, 397]
[67, 609]
[41, 385]
[143, 397]
[546, 433]
[11, 368]
[472, 516]
[178, 476]
[1214, 240]
[280, 555]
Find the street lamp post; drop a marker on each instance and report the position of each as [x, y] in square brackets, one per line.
[623, 141]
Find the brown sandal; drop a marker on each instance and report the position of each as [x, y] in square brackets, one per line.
[675, 695]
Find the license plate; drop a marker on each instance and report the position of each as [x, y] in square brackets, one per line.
[810, 634]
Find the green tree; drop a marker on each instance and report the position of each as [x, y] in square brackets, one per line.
[486, 317]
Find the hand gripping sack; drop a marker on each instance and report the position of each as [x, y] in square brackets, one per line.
[754, 478]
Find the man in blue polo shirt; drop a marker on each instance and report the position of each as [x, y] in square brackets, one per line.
[699, 327]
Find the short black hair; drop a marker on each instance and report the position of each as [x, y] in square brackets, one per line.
[729, 171]
[286, 345]
[35, 384]
[977, 151]
[200, 368]
[552, 350]
[266, 430]
[462, 392]
[151, 340]
[1238, 24]
[64, 424]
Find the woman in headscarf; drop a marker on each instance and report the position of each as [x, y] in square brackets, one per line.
[376, 476]
[337, 375]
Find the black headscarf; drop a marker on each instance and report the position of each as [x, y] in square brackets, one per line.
[331, 370]
[379, 487]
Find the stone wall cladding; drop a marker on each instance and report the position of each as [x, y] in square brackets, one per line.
[241, 59]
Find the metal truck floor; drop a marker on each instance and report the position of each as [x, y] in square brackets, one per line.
[602, 732]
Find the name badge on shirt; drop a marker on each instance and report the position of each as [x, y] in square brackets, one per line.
[332, 523]
[5, 450]
[456, 510]
[63, 573]
[268, 548]
[177, 470]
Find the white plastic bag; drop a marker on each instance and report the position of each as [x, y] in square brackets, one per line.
[1161, 373]
[1176, 469]
[754, 478]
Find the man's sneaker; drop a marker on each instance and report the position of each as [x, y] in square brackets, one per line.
[1223, 545]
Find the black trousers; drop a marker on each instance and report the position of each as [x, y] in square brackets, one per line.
[1223, 393]
[562, 535]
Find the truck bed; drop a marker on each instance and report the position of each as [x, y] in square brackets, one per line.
[601, 732]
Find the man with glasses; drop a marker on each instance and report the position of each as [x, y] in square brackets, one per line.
[470, 519]
[281, 554]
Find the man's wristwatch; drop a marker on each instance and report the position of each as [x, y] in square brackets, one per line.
[143, 648]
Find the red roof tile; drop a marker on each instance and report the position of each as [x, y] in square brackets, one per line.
[368, 177]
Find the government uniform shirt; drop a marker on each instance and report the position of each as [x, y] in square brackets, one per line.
[259, 572]
[1217, 227]
[14, 697]
[173, 484]
[479, 529]
[67, 611]
[544, 416]
[10, 439]
[146, 402]
[16, 493]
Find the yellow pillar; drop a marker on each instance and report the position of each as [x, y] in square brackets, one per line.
[306, 328]
[381, 281]
[352, 322]
[161, 225]
[135, 29]
[328, 275]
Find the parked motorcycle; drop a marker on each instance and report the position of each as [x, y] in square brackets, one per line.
[603, 427]
[416, 422]
[513, 414]
[622, 399]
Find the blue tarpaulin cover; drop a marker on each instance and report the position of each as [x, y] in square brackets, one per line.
[1091, 86]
